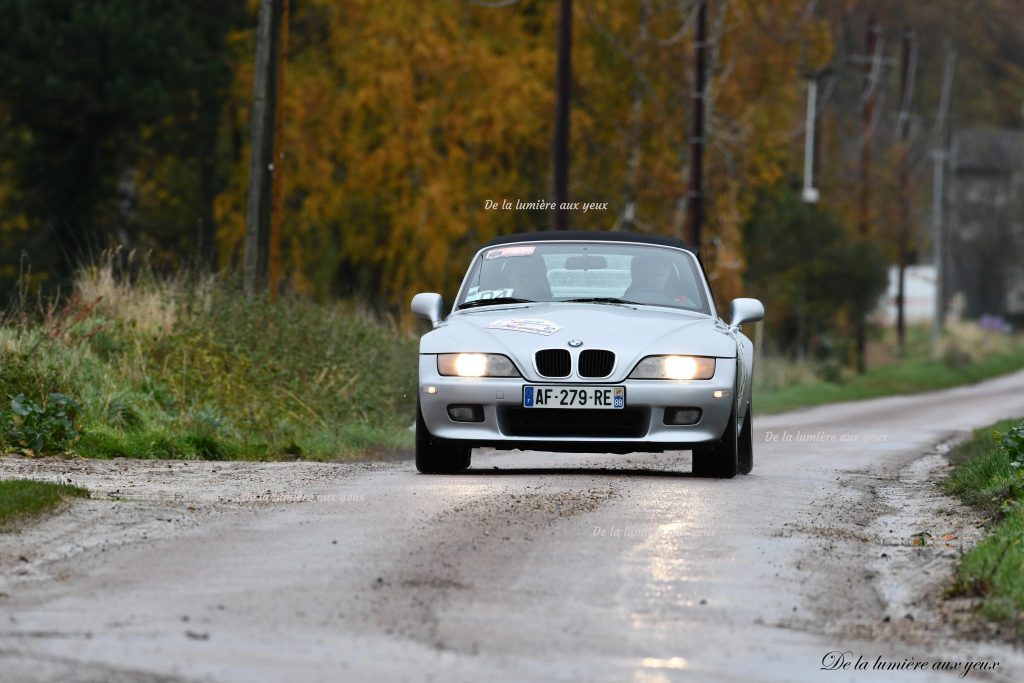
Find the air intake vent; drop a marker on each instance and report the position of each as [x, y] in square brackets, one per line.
[628, 423]
[596, 363]
[554, 362]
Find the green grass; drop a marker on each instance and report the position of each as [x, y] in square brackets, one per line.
[990, 477]
[905, 377]
[25, 497]
[194, 370]
[983, 470]
[145, 367]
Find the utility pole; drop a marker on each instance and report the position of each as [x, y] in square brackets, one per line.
[561, 143]
[695, 209]
[281, 53]
[871, 69]
[636, 123]
[867, 117]
[939, 156]
[261, 162]
[908, 63]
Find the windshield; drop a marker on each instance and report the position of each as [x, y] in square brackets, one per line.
[609, 272]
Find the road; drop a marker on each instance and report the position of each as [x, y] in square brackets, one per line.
[531, 566]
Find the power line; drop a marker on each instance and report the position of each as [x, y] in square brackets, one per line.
[790, 32]
[493, 4]
[685, 26]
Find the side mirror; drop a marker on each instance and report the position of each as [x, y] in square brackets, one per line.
[745, 311]
[428, 305]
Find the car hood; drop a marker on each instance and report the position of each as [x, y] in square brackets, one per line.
[632, 332]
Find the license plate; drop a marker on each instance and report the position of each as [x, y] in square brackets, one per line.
[609, 398]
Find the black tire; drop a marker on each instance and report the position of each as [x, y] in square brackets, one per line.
[746, 445]
[438, 456]
[720, 459]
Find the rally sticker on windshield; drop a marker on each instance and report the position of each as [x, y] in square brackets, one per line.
[476, 293]
[504, 252]
[531, 325]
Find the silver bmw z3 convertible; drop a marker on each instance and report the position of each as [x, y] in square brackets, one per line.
[601, 342]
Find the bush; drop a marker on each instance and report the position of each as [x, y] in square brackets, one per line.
[1012, 441]
[1012, 444]
[47, 428]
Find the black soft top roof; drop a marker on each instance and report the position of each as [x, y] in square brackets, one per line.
[589, 236]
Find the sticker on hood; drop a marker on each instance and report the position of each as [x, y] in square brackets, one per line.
[531, 325]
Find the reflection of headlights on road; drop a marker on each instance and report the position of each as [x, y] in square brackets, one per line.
[674, 367]
[475, 365]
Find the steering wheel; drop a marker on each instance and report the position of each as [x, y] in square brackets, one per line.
[652, 295]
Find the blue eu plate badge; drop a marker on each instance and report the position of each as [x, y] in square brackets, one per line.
[528, 398]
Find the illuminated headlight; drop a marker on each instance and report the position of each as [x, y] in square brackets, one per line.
[674, 367]
[475, 365]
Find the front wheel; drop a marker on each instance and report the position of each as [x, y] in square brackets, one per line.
[438, 456]
[746, 445]
[721, 459]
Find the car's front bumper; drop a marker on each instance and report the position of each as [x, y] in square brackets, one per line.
[643, 429]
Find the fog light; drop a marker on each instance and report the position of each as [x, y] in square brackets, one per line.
[466, 413]
[682, 416]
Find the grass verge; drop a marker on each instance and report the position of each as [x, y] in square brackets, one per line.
[20, 497]
[139, 366]
[990, 477]
[906, 377]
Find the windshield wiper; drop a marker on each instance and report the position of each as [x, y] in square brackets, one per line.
[599, 300]
[497, 301]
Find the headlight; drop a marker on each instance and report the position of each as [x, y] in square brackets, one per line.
[475, 365]
[674, 367]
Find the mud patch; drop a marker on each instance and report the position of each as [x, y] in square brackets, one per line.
[410, 599]
[890, 556]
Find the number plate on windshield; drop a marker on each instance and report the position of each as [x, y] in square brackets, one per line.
[610, 398]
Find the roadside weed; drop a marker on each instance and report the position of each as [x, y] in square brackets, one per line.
[50, 427]
[993, 480]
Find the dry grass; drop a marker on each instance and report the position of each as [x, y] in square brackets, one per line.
[965, 342]
[773, 373]
[150, 305]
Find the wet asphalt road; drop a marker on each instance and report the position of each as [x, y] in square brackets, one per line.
[536, 566]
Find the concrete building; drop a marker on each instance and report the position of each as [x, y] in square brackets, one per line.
[984, 254]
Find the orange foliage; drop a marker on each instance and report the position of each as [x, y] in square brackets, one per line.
[404, 117]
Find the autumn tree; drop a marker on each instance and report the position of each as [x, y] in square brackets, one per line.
[91, 89]
[810, 269]
[404, 118]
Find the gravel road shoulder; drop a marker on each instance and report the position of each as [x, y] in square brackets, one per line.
[135, 501]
